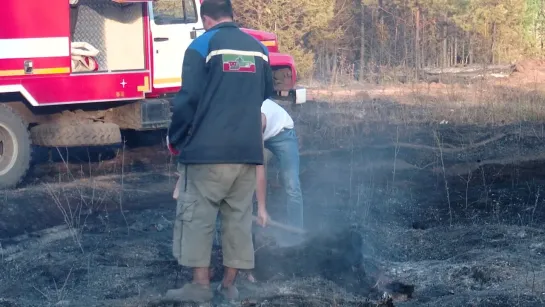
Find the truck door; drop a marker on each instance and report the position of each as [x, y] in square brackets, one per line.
[172, 22]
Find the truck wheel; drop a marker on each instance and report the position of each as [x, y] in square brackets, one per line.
[63, 135]
[15, 148]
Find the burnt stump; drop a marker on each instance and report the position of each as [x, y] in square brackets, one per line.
[337, 257]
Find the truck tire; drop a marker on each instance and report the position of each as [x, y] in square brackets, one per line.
[15, 148]
[63, 135]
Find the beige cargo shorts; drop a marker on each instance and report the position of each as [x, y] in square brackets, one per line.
[206, 189]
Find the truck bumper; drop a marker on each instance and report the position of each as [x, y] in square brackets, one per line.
[300, 95]
[297, 95]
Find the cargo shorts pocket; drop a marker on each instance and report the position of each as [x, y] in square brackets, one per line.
[186, 208]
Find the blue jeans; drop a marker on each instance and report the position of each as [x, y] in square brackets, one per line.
[285, 147]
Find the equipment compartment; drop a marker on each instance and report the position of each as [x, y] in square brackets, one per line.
[116, 30]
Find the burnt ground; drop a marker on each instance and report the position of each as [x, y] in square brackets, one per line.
[456, 210]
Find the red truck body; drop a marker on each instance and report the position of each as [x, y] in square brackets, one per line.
[35, 58]
[77, 72]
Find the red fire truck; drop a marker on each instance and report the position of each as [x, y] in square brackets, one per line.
[76, 72]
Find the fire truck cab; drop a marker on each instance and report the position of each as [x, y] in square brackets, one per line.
[77, 72]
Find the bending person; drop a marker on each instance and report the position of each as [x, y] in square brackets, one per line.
[280, 138]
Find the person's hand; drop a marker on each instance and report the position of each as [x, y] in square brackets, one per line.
[249, 275]
[262, 217]
[176, 192]
[171, 148]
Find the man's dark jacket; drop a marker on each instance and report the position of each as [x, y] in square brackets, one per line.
[216, 118]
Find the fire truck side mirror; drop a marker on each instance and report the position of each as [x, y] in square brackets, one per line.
[193, 34]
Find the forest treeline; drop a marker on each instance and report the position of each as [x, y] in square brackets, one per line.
[371, 38]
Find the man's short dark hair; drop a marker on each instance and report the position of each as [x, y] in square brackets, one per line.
[217, 9]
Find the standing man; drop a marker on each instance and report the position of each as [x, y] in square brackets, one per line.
[216, 133]
[280, 138]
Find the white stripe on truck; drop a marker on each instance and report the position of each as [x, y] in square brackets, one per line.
[236, 52]
[43, 47]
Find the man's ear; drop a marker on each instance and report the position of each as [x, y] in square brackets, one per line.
[205, 21]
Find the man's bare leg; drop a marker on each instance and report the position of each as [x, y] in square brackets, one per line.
[192, 231]
[236, 232]
[201, 276]
[227, 287]
[229, 277]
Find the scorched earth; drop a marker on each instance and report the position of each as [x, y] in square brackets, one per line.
[452, 206]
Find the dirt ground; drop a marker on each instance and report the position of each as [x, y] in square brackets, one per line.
[451, 205]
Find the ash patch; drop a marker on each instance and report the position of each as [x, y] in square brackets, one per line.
[132, 264]
[461, 222]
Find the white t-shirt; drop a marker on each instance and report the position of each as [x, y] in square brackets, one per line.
[277, 119]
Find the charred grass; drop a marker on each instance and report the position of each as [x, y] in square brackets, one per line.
[444, 183]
